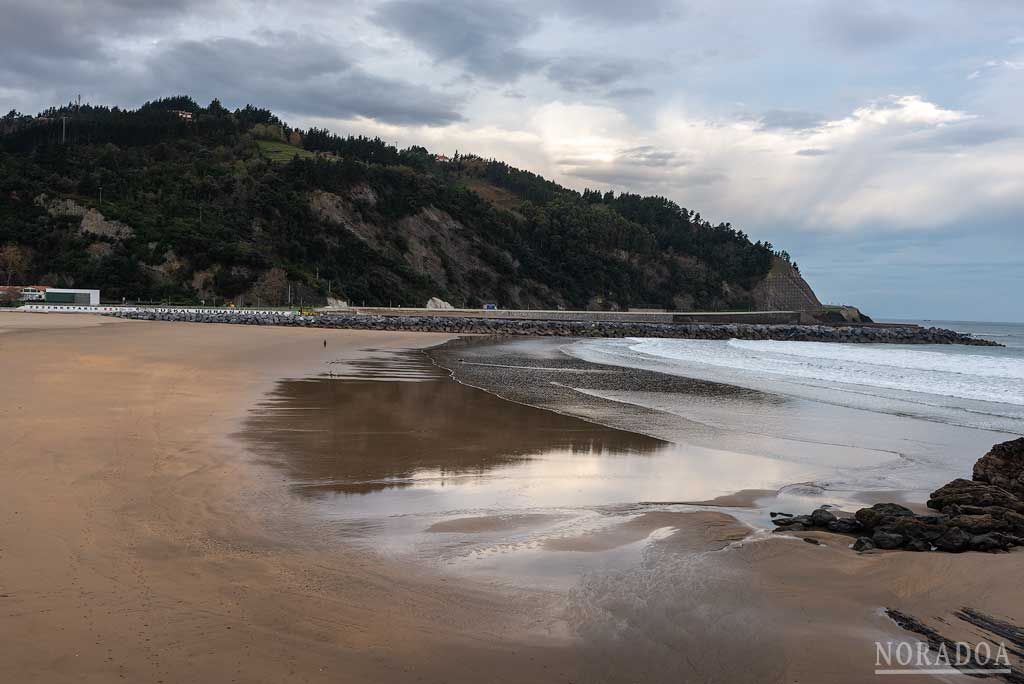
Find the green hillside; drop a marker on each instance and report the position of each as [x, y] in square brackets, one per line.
[178, 202]
[277, 151]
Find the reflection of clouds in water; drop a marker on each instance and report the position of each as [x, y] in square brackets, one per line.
[368, 432]
[558, 478]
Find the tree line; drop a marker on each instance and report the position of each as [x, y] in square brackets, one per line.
[211, 216]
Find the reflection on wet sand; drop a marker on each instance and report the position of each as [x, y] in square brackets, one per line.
[396, 454]
[401, 459]
[362, 432]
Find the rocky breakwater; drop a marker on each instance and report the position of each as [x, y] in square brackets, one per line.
[985, 513]
[501, 326]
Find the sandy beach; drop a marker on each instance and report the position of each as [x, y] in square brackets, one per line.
[138, 543]
[154, 528]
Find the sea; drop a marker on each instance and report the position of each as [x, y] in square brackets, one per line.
[934, 408]
[974, 386]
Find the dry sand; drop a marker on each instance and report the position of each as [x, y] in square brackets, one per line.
[140, 542]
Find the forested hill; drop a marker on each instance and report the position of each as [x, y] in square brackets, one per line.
[178, 202]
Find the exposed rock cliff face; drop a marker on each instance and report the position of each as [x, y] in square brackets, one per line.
[340, 211]
[93, 222]
[784, 289]
[432, 244]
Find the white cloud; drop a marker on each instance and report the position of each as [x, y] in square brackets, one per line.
[871, 176]
[908, 109]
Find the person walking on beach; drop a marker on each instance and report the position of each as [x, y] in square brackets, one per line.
[325, 344]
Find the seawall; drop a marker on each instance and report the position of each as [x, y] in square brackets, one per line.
[498, 326]
[766, 317]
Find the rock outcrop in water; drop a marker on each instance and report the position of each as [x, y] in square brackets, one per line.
[571, 328]
[982, 514]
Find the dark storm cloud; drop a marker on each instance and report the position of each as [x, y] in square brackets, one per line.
[485, 38]
[630, 93]
[862, 26]
[292, 73]
[481, 37]
[71, 29]
[73, 40]
[582, 73]
[648, 155]
[616, 11]
[55, 50]
[790, 119]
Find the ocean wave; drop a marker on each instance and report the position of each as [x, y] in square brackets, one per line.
[941, 361]
[944, 373]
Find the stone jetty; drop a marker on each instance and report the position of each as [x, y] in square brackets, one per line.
[570, 328]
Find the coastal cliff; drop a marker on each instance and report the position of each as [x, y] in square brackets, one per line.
[784, 289]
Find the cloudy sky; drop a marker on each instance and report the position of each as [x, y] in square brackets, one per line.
[882, 144]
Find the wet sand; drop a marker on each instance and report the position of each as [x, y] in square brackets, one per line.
[139, 542]
[650, 588]
[383, 525]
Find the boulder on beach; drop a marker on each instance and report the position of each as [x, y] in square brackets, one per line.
[822, 517]
[972, 494]
[983, 514]
[1003, 466]
[863, 544]
[878, 514]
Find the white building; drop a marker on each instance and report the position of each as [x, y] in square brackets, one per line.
[55, 295]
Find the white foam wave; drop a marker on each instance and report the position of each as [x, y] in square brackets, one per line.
[966, 376]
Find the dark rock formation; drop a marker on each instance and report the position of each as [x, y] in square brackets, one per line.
[566, 328]
[845, 525]
[973, 495]
[972, 661]
[863, 544]
[874, 516]
[1003, 466]
[984, 514]
[887, 540]
[822, 517]
[1004, 630]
